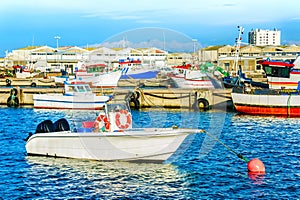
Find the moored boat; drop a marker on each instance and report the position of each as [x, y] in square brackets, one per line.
[77, 95]
[134, 69]
[109, 138]
[263, 101]
[98, 75]
[282, 74]
[187, 76]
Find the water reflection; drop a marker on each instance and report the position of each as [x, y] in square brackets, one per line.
[257, 178]
[113, 179]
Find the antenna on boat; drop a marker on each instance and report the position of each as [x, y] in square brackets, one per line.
[238, 42]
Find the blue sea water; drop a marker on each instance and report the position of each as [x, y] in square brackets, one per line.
[201, 169]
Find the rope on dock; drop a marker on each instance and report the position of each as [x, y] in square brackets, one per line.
[162, 97]
[151, 103]
[148, 101]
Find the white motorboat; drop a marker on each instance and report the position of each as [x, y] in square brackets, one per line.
[109, 138]
[77, 95]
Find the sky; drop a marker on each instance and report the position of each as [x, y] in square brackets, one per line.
[90, 22]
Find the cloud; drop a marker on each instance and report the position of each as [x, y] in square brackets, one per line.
[161, 11]
[229, 5]
[295, 19]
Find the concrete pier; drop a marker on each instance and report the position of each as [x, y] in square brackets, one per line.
[140, 98]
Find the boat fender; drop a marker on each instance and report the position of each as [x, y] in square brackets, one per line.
[128, 96]
[136, 104]
[100, 119]
[12, 101]
[8, 82]
[136, 95]
[120, 119]
[14, 92]
[201, 104]
[33, 84]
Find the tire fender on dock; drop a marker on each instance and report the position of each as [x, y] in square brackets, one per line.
[201, 104]
[8, 82]
[132, 98]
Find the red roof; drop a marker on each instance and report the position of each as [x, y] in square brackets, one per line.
[17, 67]
[276, 63]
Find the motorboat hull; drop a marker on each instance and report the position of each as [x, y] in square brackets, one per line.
[153, 144]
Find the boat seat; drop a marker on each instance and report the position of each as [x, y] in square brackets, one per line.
[88, 124]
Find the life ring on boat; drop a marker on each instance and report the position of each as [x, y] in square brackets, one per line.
[119, 119]
[104, 119]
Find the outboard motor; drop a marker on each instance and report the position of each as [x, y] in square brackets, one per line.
[45, 127]
[61, 125]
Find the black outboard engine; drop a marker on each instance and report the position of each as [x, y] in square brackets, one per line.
[61, 125]
[45, 127]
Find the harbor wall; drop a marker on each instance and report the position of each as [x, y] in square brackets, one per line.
[140, 98]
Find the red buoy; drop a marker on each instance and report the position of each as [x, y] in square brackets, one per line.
[256, 165]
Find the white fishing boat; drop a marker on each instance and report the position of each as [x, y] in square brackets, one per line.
[109, 138]
[280, 98]
[264, 101]
[186, 76]
[60, 80]
[99, 78]
[23, 72]
[135, 69]
[77, 95]
[282, 73]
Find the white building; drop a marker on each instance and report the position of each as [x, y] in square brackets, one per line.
[266, 37]
[72, 58]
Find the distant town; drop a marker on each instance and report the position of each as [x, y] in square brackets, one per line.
[261, 44]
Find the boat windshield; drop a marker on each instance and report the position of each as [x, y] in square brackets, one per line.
[272, 71]
[87, 88]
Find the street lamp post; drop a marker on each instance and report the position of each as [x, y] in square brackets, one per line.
[195, 43]
[57, 38]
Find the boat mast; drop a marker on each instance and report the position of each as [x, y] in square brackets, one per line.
[238, 42]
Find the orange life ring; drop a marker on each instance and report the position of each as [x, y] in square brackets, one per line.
[120, 124]
[99, 119]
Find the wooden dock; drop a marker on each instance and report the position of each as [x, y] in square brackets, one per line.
[140, 98]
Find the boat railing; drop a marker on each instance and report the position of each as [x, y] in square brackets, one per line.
[265, 91]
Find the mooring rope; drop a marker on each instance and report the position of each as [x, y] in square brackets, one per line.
[227, 147]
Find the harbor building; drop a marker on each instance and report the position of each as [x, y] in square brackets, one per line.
[72, 58]
[225, 56]
[260, 37]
